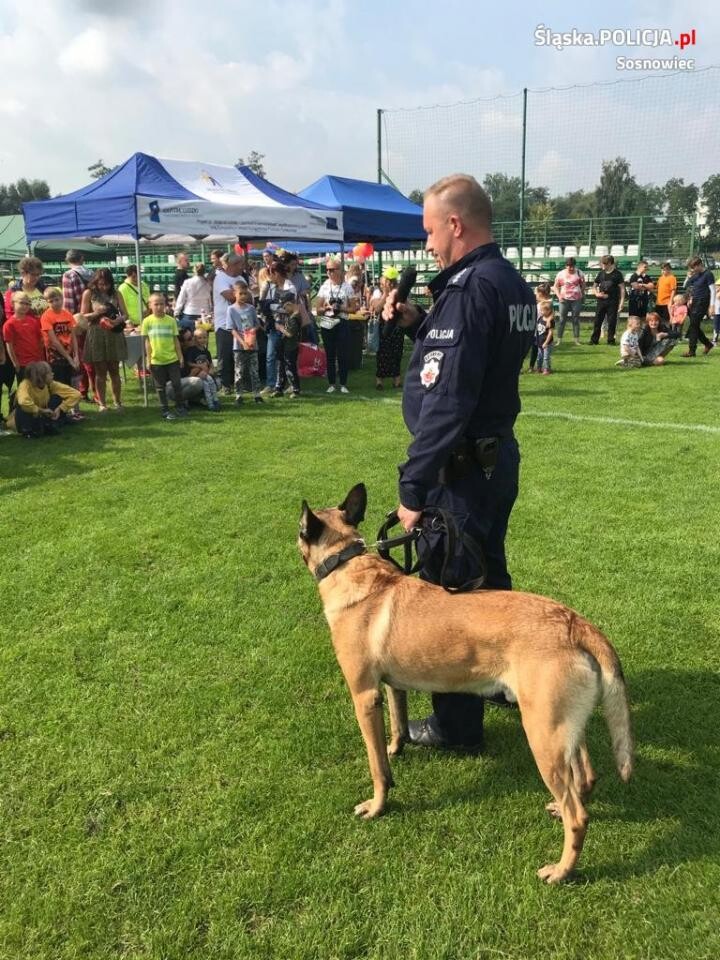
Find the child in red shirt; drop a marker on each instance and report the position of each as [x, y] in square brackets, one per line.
[22, 334]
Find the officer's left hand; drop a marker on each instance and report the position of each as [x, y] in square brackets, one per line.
[408, 518]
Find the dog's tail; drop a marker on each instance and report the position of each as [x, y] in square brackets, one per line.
[614, 693]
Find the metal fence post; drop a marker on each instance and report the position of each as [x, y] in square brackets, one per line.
[379, 146]
[641, 252]
[522, 179]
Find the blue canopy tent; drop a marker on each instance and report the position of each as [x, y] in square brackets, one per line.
[375, 212]
[177, 199]
[151, 197]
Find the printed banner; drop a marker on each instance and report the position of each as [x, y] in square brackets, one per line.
[227, 204]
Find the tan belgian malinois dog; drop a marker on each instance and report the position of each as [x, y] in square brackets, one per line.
[391, 629]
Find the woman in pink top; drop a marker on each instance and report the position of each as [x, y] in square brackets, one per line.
[569, 288]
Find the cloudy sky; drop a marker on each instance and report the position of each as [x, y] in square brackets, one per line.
[301, 82]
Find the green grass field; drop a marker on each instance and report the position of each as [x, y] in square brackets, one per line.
[180, 757]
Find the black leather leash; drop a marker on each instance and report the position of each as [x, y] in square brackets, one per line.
[435, 520]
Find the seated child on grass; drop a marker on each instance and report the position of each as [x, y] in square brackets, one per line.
[41, 403]
[630, 355]
[199, 360]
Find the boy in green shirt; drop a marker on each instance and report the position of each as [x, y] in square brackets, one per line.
[164, 354]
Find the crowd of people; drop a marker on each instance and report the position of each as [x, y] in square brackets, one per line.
[260, 317]
[262, 314]
[657, 312]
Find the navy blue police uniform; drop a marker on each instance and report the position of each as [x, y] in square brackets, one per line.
[461, 387]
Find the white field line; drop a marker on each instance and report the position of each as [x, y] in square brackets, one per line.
[622, 422]
[580, 418]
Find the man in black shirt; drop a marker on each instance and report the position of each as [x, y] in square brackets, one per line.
[640, 288]
[610, 293]
[699, 286]
[182, 265]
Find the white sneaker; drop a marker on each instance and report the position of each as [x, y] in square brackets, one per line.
[344, 390]
[331, 388]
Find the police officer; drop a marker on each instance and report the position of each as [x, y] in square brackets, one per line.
[460, 401]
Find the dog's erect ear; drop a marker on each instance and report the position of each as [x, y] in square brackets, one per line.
[353, 506]
[311, 527]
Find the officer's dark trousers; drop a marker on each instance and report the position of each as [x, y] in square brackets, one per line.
[606, 310]
[481, 508]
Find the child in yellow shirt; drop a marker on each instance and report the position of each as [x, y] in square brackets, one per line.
[41, 403]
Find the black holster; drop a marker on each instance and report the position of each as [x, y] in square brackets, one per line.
[480, 451]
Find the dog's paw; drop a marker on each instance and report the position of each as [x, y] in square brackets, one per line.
[368, 810]
[395, 747]
[552, 873]
[553, 809]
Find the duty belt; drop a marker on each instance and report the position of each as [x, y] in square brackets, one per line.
[482, 451]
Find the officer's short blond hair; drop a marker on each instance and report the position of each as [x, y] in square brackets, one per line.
[462, 194]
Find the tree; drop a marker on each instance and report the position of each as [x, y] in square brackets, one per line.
[416, 196]
[255, 162]
[618, 194]
[681, 200]
[576, 205]
[99, 169]
[710, 197]
[14, 195]
[504, 192]
[541, 214]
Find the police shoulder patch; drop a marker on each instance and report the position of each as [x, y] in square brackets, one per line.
[430, 371]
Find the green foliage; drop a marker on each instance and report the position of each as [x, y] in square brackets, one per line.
[255, 162]
[100, 169]
[541, 214]
[416, 196]
[180, 756]
[13, 195]
[504, 192]
[711, 201]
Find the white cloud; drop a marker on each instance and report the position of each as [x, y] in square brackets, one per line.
[88, 53]
[298, 81]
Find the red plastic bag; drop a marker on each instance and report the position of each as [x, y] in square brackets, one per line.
[312, 361]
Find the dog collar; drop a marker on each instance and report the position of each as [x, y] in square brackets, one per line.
[331, 563]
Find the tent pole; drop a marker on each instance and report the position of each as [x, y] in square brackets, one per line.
[144, 367]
